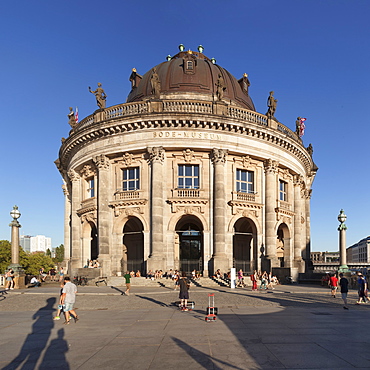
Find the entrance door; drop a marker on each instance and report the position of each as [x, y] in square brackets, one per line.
[94, 251]
[191, 245]
[133, 239]
[243, 245]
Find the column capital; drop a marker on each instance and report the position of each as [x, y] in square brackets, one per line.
[218, 156]
[156, 154]
[73, 175]
[270, 166]
[101, 162]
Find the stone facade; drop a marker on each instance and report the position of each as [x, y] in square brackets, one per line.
[186, 179]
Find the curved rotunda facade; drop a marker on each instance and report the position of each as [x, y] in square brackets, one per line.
[186, 174]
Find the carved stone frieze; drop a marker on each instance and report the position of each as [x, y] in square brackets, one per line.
[102, 162]
[156, 154]
[241, 206]
[87, 171]
[219, 156]
[188, 155]
[196, 205]
[127, 159]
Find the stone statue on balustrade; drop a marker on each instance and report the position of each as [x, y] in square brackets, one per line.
[100, 95]
[156, 84]
[271, 104]
[71, 118]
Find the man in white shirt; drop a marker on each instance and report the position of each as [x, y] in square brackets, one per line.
[34, 281]
[68, 300]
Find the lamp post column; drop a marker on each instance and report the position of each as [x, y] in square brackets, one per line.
[19, 275]
[342, 242]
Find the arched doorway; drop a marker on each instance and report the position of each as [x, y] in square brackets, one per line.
[94, 249]
[244, 245]
[133, 241]
[283, 246]
[190, 232]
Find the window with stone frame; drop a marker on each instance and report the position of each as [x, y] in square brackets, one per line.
[245, 181]
[188, 176]
[90, 187]
[131, 179]
[283, 191]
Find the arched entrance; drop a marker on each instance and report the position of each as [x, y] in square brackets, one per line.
[244, 245]
[282, 246]
[133, 246]
[190, 232]
[94, 249]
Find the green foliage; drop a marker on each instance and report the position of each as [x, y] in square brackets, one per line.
[59, 254]
[31, 262]
[48, 252]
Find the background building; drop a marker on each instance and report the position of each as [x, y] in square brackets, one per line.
[359, 252]
[186, 175]
[38, 243]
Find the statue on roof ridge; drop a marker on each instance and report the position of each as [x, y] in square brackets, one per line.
[100, 95]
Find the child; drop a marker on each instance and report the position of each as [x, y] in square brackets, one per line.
[60, 306]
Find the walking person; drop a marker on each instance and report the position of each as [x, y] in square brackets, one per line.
[240, 278]
[9, 276]
[60, 305]
[333, 283]
[361, 289]
[343, 283]
[184, 292]
[127, 277]
[68, 300]
[254, 278]
[61, 275]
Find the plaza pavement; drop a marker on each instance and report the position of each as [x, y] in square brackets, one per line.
[291, 327]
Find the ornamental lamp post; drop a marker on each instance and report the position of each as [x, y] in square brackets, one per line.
[15, 266]
[342, 242]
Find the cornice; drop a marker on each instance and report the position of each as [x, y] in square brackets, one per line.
[236, 120]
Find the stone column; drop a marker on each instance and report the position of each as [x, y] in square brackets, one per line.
[220, 260]
[75, 248]
[104, 226]
[157, 258]
[271, 168]
[67, 220]
[298, 225]
[306, 249]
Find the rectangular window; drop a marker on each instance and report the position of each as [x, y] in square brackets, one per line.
[283, 188]
[189, 65]
[188, 176]
[131, 179]
[245, 181]
[91, 188]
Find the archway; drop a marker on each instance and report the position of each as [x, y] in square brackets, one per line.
[283, 246]
[190, 232]
[245, 245]
[94, 249]
[133, 250]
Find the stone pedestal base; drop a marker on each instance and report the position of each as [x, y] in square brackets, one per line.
[156, 263]
[19, 276]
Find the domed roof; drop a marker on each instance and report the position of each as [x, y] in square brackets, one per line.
[190, 75]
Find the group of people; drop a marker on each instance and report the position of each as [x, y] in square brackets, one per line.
[93, 264]
[343, 283]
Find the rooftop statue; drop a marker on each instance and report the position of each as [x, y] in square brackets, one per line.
[155, 83]
[71, 118]
[100, 95]
[271, 103]
[220, 87]
[298, 126]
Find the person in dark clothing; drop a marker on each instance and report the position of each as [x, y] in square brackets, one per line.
[343, 283]
[361, 289]
[184, 292]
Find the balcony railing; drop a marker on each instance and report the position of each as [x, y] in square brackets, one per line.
[244, 197]
[127, 195]
[186, 193]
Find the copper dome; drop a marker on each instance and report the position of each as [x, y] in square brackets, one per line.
[191, 75]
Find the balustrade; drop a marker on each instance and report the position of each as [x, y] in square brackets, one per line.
[126, 195]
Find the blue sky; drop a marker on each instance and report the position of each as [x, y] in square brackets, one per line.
[313, 54]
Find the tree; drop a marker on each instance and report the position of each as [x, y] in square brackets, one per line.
[6, 256]
[36, 261]
[48, 252]
[59, 254]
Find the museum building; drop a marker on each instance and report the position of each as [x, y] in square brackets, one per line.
[186, 175]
